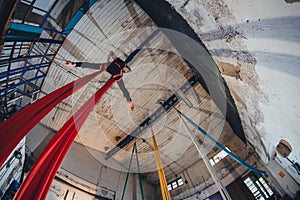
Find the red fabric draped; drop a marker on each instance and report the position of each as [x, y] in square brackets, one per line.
[17, 126]
[39, 179]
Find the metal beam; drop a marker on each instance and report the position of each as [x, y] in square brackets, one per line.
[21, 69]
[22, 83]
[166, 106]
[25, 28]
[16, 38]
[6, 9]
[27, 94]
[24, 58]
[78, 15]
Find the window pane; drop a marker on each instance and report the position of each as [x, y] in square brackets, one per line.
[247, 180]
[45, 5]
[174, 185]
[266, 186]
[219, 156]
[180, 182]
[254, 190]
[169, 187]
[258, 193]
[262, 188]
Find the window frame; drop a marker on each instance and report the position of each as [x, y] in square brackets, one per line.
[218, 157]
[175, 184]
[258, 186]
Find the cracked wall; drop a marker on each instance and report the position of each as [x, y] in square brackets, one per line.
[256, 47]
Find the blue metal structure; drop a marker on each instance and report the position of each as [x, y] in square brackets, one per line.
[35, 33]
[32, 32]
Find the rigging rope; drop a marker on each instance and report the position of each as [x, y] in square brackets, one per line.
[134, 149]
[222, 147]
[38, 181]
[128, 172]
[139, 172]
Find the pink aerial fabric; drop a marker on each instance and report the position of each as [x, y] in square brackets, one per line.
[39, 179]
[16, 127]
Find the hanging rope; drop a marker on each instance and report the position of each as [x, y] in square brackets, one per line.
[38, 181]
[222, 147]
[16, 127]
[160, 170]
[134, 149]
[139, 172]
[222, 189]
[128, 172]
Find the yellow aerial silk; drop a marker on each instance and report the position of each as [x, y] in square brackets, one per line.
[161, 174]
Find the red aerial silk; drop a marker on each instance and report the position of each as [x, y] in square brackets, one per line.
[39, 179]
[16, 127]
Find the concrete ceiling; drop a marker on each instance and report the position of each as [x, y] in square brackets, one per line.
[158, 72]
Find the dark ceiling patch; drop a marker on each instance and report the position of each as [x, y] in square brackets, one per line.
[197, 57]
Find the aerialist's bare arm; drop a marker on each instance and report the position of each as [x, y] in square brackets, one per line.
[97, 66]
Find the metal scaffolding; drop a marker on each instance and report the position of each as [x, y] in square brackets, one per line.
[33, 34]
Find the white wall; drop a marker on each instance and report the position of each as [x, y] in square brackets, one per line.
[82, 168]
[283, 178]
[83, 164]
[200, 180]
[262, 39]
[37, 134]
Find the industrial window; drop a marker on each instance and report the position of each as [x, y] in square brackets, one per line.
[218, 157]
[43, 5]
[259, 188]
[175, 184]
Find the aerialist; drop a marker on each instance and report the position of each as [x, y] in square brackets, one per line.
[116, 68]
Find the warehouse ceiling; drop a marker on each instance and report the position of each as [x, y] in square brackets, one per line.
[164, 64]
[159, 71]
